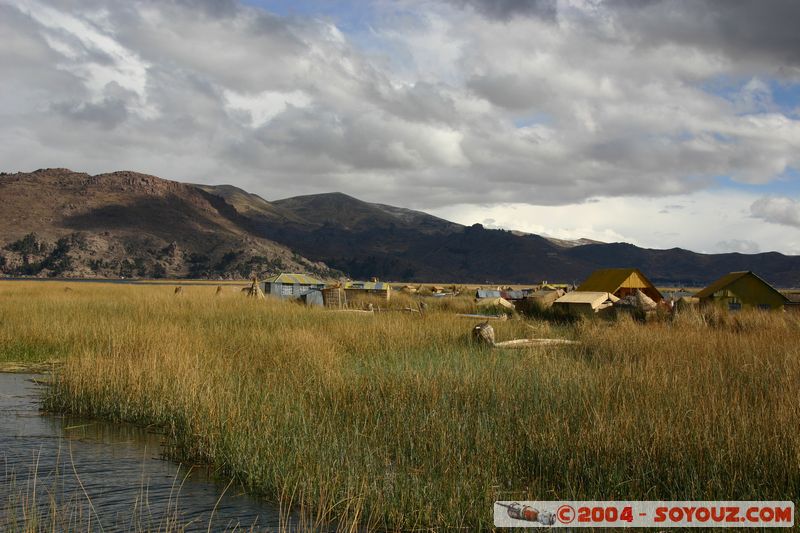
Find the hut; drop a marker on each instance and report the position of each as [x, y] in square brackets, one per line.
[313, 298]
[511, 294]
[794, 302]
[496, 304]
[741, 290]
[480, 294]
[286, 285]
[375, 288]
[637, 301]
[507, 294]
[544, 286]
[334, 297]
[620, 282]
[584, 302]
[637, 305]
[544, 299]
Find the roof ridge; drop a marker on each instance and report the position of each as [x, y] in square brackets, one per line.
[731, 277]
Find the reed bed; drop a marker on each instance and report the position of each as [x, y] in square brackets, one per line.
[397, 421]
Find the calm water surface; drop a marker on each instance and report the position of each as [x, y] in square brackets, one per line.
[128, 484]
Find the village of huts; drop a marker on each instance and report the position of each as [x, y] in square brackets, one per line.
[605, 292]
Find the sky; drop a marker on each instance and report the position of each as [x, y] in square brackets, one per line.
[663, 123]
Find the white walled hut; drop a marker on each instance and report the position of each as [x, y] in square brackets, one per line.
[287, 285]
[313, 298]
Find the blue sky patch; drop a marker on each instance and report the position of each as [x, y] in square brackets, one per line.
[786, 185]
[783, 95]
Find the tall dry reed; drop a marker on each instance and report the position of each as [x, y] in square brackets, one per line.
[397, 421]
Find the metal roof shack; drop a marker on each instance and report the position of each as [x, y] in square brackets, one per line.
[487, 293]
[512, 295]
[739, 290]
[289, 285]
[620, 282]
[506, 294]
[313, 298]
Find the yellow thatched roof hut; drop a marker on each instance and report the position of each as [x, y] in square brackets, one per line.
[620, 282]
[377, 288]
[739, 290]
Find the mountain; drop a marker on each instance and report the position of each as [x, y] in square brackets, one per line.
[567, 243]
[59, 222]
[366, 239]
[351, 214]
[677, 266]
[249, 204]
[62, 223]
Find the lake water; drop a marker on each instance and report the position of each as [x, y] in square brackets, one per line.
[109, 477]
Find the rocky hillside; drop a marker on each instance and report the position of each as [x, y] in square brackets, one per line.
[62, 223]
[68, 224]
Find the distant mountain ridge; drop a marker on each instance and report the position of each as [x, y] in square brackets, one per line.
[125, 224]
[65, 223]
[359, 238]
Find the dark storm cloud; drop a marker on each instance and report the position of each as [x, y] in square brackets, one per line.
[741, 29]
[215, 8]
[506, 9]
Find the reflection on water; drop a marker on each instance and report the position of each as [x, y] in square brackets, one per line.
[109, 473]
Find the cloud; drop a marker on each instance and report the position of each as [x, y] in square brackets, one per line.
[107, 113]
[435, 103]
[505, 9]
[711, 222]
[90, 54]
[743, 30]
[262, 107]
[777, 210]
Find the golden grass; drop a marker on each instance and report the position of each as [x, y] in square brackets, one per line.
[397, 421]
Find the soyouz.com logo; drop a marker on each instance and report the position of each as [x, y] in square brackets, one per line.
[659, 514]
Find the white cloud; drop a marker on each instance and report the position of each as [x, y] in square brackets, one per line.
[777, 210]
[460, 103]
[95, 57]
[263, 107]
[709, 222]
